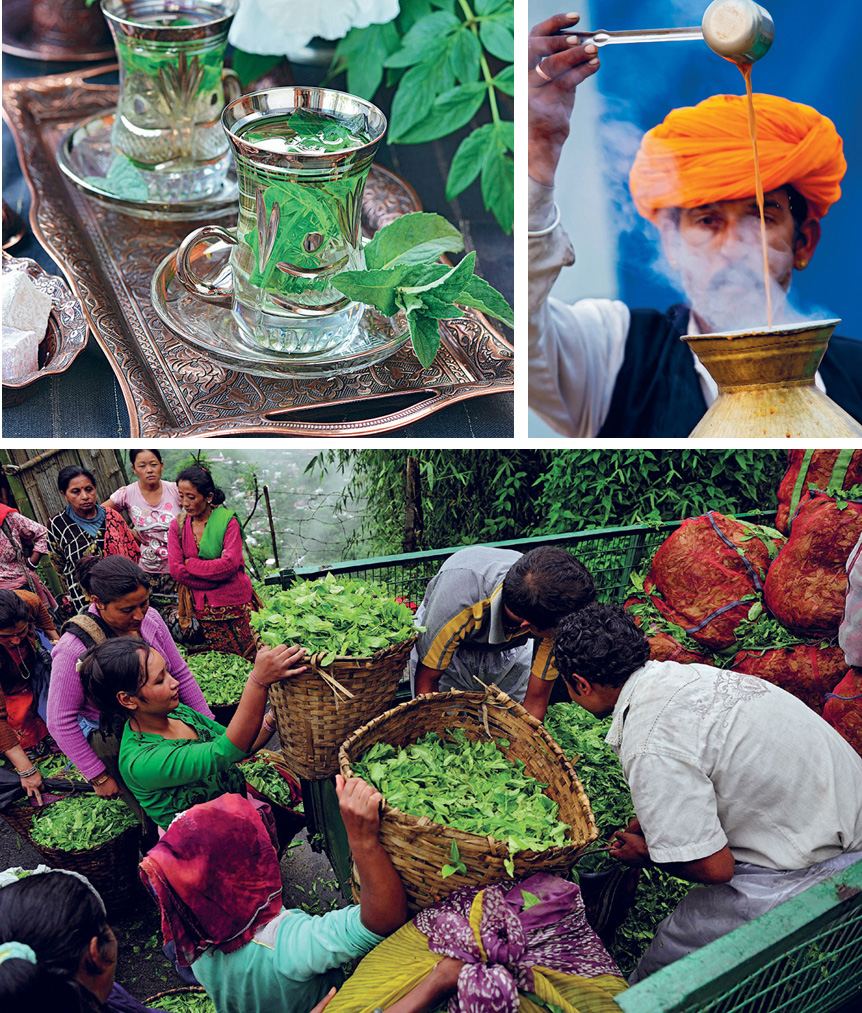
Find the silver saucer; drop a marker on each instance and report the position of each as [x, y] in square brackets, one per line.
[211, 329]
[85, 156]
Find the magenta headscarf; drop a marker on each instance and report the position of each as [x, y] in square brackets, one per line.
[215, 877]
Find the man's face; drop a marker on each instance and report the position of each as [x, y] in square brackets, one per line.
[718, 250]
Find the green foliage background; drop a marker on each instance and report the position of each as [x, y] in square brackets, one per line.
[491, 495]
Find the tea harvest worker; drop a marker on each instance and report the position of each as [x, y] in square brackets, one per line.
[84, 528]
[599, 368]
[171, 756]
[491, 613]
[736, 784]
[216, 879]
[152, 503]
[206, 561]
[119, 591]
[57, 950]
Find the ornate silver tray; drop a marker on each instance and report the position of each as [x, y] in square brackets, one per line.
[67, 329]
[172, 389]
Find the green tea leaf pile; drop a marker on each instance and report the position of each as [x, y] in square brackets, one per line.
[471, 786]
[221, 677]
[187, 1002]
[267, 780]
[347, 617]
[81, 822]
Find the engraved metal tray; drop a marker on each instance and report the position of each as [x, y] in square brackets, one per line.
[171, 389]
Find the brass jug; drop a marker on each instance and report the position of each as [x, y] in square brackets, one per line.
[766, 384]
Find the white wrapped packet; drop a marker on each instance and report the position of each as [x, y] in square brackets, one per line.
[20, 352]
[24, 305]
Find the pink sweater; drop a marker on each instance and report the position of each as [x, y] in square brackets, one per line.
[66, 700]
[221, 581]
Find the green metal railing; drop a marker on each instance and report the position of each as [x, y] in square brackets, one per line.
[805, 956]
[611, 554]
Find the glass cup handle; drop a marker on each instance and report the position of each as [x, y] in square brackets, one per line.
[221, 294]
[231, 84]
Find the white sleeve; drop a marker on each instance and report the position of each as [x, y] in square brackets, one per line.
[576, 350]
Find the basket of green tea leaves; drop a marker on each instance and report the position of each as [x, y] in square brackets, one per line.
[97, 837]
[59, 774]
[269, 779]
[191, 999]
[222, 678]
[358, 640]
[475, 791]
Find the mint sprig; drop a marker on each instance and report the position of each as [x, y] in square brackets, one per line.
[403, 273]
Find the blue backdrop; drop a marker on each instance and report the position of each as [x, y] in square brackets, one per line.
[815, 59]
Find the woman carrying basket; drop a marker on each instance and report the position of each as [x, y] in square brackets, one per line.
[216, 878]
[206, 561]
[172, 757]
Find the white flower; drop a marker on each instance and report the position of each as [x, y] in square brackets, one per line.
[278, 27]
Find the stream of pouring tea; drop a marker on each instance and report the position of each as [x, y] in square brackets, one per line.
[758, 184]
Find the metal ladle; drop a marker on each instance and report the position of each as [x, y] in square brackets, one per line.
[739, 30]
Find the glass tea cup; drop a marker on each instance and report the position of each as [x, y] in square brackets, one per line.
[172, 92]
[302, 158]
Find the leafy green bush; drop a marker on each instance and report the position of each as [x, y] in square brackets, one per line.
[187, 1002]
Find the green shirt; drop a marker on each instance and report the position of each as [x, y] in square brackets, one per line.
[168, 776]
[289, 966]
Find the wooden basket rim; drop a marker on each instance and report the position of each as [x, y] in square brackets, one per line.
[174, 991]
[498, 698]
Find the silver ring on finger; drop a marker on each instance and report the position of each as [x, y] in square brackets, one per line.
[541, 73]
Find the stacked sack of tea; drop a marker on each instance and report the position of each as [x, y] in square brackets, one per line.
[843, 708]
[703, 600]
[818, 469]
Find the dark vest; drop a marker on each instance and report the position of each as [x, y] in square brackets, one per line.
[657, 392]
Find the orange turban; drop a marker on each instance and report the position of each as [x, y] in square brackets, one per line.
[702, 154]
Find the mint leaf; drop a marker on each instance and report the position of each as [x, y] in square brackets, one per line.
[412, 239]
[485, 298]
[451, 284]
[415, 96]
[375, 288]
[425, 335]
[250, 66]
[123, 180]
[370, 46]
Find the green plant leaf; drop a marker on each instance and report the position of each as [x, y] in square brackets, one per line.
[449, 111]
[425, 335]
[498, 187]
[497, 36]
[376, 288]
[250, 66]
[365, 51]
[486, 7]
[464, 56]
[485, 298]
[426, 39]
[505, 80]
[468, 160]
[415, 97]
[412, 239]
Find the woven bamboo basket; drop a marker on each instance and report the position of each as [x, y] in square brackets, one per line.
[317, 710]
[419, 847]
[111, 867]
[20, 815]
[288, 822]
[188, 990]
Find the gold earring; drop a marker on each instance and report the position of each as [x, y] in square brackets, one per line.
[801, 264]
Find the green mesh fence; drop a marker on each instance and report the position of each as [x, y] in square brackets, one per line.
[805, 956]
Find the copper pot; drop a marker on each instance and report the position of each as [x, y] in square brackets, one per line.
[766, 384]
[69, 24]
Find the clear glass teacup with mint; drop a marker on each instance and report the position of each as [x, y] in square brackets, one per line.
[302, 159]
[173, 88]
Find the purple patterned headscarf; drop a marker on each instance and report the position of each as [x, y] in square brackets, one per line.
[512, 939]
